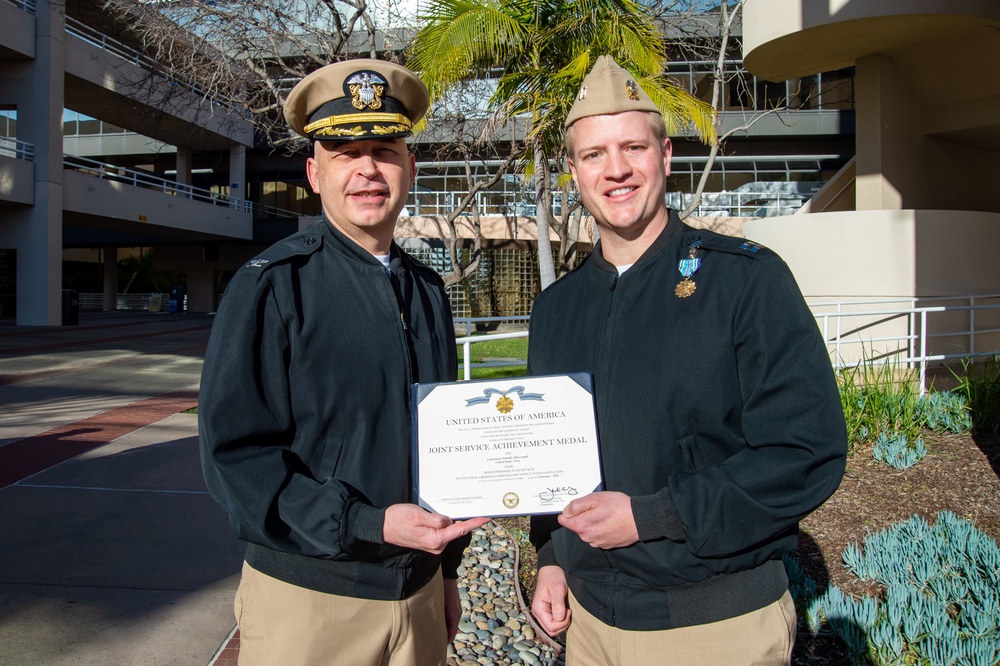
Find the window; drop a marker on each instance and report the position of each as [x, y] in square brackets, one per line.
[836, 89]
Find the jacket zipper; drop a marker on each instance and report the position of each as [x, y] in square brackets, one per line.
[604, 341]
[403, 329]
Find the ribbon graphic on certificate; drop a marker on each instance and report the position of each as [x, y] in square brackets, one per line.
[505, 447]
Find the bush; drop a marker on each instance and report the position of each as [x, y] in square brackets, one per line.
[881, 403]
[979, 385]
[945, 411]
[895, 450]
[882, 407]
[942, 597]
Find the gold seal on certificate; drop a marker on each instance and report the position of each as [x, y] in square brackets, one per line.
[505, 447]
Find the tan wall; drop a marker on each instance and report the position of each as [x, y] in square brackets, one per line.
[841, 255]
[900, 166]
[784, 39]
[494, 227]
[838, 194]
[911, 257]
[927, 90]
[883, 254]
[497, 227]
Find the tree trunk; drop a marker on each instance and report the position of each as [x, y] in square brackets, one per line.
[546, 267]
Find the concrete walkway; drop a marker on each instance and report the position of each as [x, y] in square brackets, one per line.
[111, 551]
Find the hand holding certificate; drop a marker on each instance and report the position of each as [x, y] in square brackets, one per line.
[505, 447]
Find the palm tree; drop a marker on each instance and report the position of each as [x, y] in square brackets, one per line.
[539, 51]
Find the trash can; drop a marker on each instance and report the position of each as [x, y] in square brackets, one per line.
[70, 307]
[177, 298]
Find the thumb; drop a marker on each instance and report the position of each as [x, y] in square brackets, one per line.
[436, 521]
[576, 507]
[558, 608]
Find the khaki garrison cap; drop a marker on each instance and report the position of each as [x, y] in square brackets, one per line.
[357, 99]
[608, 89]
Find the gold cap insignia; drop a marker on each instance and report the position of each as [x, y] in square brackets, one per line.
[366, 89]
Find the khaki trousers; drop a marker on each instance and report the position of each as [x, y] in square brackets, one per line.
[286, 625]
[762, 638]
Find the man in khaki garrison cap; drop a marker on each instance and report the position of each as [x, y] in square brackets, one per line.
[719, 419]
[304, 418]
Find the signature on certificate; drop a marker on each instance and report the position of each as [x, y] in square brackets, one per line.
[554, 494]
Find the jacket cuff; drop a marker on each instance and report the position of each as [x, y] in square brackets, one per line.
[364, 523]
[656, 517]
[545, 556]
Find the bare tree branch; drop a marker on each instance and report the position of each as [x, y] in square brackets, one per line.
[248, 54]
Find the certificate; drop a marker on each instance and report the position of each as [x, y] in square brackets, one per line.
[505, 447]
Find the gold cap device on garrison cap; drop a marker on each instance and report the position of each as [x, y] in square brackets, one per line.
[357, 99]
[608, 89]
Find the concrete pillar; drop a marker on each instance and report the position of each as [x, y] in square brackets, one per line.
[890, 141]
[184, 160]
[237, 174]
[110, 301]
[37, 232]
[201, 291]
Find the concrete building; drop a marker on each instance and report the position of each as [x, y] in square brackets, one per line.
[914, 215]
[872, 180]
[54, 57]
[107, 153]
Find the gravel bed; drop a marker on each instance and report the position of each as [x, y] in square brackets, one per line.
[495, 630]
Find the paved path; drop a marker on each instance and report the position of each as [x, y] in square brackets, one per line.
[111, 551]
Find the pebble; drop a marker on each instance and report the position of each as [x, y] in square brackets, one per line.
[494, 630]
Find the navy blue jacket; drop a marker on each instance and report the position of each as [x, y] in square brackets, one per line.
[718, 414]
[304, 411]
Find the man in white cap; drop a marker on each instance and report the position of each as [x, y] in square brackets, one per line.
[304, 414]
[719, 419]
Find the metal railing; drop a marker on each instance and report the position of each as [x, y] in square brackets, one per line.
[100, 40]
[863, 331]
[468, 339]
[488, 202]
[740, 204]
[124, 302]
[850, 328]
[20, 150]
[24, 5]
[713, 204]
[910, 334]
[149, 181]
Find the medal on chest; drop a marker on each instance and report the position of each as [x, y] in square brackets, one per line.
[687, 268]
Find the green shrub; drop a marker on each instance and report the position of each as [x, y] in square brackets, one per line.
[945, 411]
[979, 384]
[895, 450]
[942, 597]
[880, 399]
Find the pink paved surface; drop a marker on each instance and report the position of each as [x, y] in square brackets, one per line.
[31, 455]
[230, 655]
[25, 457]
[28, 456]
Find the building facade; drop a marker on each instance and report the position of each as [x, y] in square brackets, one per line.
[107, 155]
